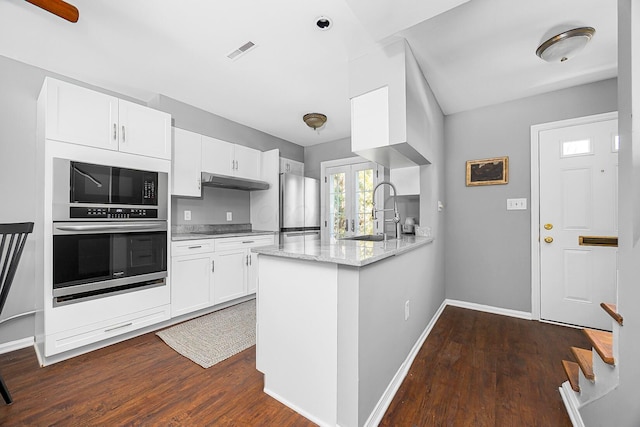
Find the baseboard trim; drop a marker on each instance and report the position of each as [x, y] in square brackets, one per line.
[571, 404]
[16, 345]
[299, 410]
[489, 309]
[387, 397]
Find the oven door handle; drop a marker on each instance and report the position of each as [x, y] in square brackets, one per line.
[111, 227]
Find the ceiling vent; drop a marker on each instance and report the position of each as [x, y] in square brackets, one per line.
[241, 50]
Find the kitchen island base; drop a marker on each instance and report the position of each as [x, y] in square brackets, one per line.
[332, 338]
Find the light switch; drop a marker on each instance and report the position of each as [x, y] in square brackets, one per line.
[517, 204]
[187, 215]
[229, 216]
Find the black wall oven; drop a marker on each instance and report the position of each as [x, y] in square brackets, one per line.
[109, 231]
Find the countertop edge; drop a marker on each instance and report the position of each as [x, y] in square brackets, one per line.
[277, 251]
[181, 237]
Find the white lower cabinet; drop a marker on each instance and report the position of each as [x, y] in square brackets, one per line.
[72, 326]
[194, 274]
[230, 275]
[207, 272]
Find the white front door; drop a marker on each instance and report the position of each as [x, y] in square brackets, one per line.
[578, 222]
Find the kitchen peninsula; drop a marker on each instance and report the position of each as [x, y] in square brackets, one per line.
[338, 321]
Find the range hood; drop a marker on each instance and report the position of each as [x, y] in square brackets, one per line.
[232, 182]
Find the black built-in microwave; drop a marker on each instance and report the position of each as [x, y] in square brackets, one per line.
[86, 191]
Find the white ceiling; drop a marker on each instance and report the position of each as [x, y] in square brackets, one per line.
[479, 53]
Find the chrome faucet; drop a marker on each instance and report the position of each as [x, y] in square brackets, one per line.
[396, 214]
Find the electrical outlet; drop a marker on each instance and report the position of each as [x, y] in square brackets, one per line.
[406, 310]
[229, 216]
[187, 215]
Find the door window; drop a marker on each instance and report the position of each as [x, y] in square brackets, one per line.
[348, 193]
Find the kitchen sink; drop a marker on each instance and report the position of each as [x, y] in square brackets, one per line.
[367, 238]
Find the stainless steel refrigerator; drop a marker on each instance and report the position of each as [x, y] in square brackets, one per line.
[299, 208]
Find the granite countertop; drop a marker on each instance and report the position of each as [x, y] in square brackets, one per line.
[346, 252]
[195, 235]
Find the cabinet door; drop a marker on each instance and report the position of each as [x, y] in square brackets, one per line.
[217, 156]
[291, 166]
[252, 273]
[190, 283]
[186, 163]
[247, 162]
[229, 280]
[144, 131]
[81, 116]
[406, 180]
[370, 120]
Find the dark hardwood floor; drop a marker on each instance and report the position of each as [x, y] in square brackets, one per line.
[475, 369]
[479, 369]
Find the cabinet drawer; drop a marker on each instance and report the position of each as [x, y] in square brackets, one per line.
[74, 338]
[188, 247]
[232, 243]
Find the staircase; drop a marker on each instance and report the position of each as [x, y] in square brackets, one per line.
[593, 373]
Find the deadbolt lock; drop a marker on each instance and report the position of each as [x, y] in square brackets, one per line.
[548, 226]
[548, 239]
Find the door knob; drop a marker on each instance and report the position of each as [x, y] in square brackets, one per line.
[548, 239]
[548, 226]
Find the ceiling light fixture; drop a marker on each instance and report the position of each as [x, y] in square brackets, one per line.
[565, 45]
[314, 120]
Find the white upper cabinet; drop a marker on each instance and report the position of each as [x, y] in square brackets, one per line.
[248, 164]
[144, 131]
[370, 120]
[291, 166]
[225, 158]
[186, 163]
[80, 116]
[217, 156]
[83, 116]
[406, 180]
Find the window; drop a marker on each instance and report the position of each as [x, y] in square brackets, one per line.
[576, 148]
[348, 193]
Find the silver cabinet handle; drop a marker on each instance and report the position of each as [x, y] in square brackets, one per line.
[115, 131]
[247, 260]
[247, 241]
[123, 136]
[250, 259]
[198, 184]
[195, 247]
[118, 327]
[353, 225]
[346, 227]
[213, 265]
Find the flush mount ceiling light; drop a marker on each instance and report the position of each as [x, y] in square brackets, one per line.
[314, 120]
[565, 45]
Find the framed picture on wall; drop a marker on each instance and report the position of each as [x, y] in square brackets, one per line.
[488, 171]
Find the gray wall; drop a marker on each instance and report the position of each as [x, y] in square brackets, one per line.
[190, 118]
[314, 155]
[212, 207]
[488, 256]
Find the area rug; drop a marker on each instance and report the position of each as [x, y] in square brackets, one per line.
[215, 337]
